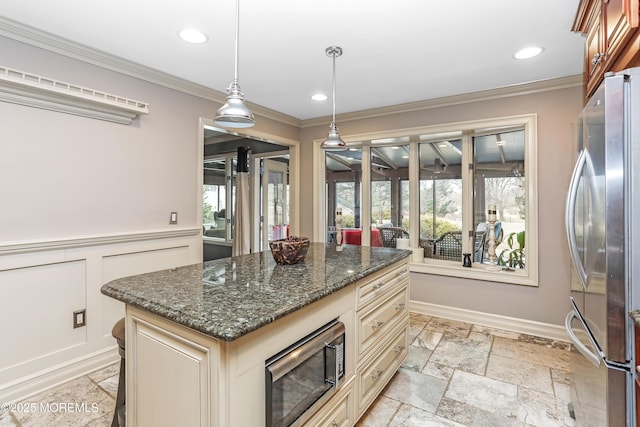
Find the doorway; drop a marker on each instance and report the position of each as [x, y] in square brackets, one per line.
[269, 171]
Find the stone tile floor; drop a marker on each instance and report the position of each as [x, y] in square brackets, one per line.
[457, 374]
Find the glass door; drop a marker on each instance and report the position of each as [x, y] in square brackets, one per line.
[275, 195]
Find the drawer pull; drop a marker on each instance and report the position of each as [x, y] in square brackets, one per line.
[376, 324]
[334, 424]
[400, 306]
[376, 373]
[398, 349]
[378, 285]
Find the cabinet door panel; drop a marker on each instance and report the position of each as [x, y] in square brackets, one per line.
[619, 18]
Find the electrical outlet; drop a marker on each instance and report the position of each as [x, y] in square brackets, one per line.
[79, 318]
[173, 218]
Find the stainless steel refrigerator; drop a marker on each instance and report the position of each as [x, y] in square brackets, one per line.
[603, 230]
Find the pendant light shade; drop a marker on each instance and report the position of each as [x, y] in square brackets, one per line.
[333, 141]
[234, 113]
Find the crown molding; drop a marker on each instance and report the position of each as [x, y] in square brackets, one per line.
[34, 37]
[465, 98]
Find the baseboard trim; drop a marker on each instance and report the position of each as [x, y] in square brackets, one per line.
[513, 324]
[25, 387]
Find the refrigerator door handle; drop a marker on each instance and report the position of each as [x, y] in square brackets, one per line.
[570, 211]
[588, 354]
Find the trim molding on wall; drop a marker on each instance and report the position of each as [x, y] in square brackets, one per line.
[60, 374]
[46, 245]
[522, 326]
[465, 98]
[19, 87]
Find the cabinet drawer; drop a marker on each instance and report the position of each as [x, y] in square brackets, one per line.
[376, 374]
[374, 324]
[387, 281]
[338, 412]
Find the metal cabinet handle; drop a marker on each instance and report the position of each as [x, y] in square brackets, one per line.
[596, 58]
[335, 424]
[400, 306]
[378, 285]
[376, 324]
[376, 373]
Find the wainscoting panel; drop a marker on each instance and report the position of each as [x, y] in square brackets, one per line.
[43, 283]
[129, 264]
[38, 317]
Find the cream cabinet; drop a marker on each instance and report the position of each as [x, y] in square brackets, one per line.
[171, 374]
[177, 376]
[382, 331]
[340, 411]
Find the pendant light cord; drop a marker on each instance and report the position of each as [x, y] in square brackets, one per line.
[235, 71]
[333, 96]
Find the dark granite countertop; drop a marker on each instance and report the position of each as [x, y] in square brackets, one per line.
[230, 297]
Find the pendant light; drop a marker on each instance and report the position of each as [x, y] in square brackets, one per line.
[333, 141]
[234, 114]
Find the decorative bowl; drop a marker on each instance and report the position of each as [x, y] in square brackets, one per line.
[289, 251]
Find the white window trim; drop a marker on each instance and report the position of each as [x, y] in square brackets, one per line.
[478, 272]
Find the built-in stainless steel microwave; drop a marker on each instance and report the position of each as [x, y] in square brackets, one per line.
[303, 376]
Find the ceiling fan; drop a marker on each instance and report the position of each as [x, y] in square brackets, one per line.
[438, 166]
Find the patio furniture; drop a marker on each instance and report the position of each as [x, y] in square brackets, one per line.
[448, 246]
[390, 234]
[353, 236]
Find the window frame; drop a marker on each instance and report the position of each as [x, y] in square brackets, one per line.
[230, 184]
[527, 277]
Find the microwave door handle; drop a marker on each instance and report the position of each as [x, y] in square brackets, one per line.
[588, 354]
[336, 365]
[570, 214]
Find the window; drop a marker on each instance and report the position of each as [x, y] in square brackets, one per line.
[435, 186]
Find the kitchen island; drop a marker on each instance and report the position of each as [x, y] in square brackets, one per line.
[197, 337]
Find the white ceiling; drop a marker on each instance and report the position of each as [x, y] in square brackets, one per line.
[394, 51]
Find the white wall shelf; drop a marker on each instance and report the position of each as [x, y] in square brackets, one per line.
[28, 89]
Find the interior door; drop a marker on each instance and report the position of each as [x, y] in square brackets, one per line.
[275, 196]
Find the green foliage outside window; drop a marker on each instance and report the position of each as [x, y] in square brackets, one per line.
[442, 226]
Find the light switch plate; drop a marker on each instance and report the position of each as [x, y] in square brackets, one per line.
[173, 218]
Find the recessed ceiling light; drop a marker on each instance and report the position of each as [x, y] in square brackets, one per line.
[319, 97]
[528, 52]
[192, 35]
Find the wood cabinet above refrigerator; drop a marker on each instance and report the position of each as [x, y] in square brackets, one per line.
[612, 38]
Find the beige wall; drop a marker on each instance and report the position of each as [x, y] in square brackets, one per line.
[557, 117]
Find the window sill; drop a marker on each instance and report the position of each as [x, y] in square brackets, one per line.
[476, 272]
